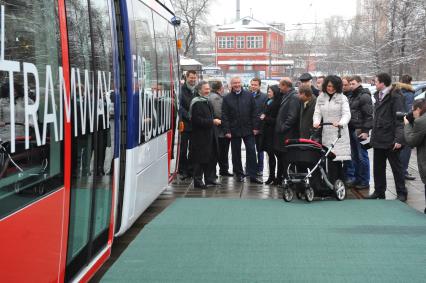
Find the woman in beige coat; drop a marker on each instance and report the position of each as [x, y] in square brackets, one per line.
[333, 107]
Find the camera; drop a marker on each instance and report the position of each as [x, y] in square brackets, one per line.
[176, 21]
[400, 116]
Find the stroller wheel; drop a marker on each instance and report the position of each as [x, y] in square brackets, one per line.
[17, 188]
[309, 194]
[39, 189]
[288, 194]
[340, 190]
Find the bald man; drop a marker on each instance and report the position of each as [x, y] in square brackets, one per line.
[240, 122]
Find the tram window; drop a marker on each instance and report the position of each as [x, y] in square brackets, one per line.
[164, 64]
[146, 66]
[31, 163]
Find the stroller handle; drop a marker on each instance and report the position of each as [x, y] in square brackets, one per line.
[339, 128]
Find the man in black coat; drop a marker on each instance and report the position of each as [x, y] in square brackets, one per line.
[287, 125]
[240, 122]
[260, 99]
[204, 144]
[307, 109]
[185, 97]
[387, 137]
[360, 125]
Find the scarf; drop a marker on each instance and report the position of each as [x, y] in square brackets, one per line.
[195, 100]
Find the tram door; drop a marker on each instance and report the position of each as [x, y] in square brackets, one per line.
[92, 114]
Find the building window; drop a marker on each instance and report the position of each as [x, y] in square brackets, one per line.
[222, 42]
[240, 42]
[226, 42]
[254, 42]
[229, 42]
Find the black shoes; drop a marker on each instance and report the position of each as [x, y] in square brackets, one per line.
[212, 183]
[270, 181]
[184, 176]
[200, 186]
[402, 198]
[240, 179]
[376, 195]
[256, 181]
[350, 184]
[409, 177]
[226, 174]
[362, 187]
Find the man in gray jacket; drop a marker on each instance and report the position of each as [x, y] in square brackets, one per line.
[216, 100]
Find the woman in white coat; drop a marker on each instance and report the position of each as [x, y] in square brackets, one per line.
[333, 107]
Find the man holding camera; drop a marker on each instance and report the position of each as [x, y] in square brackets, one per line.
[415, 135]
[387, 137]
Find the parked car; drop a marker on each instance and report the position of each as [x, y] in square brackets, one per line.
[419, 88]
[420, 96]
[266, 83]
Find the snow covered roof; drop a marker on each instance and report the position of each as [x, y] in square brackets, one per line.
[247, 24]
[190, 64]
[257, 62]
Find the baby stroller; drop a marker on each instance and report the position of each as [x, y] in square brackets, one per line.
[32, 175]
[309, 171]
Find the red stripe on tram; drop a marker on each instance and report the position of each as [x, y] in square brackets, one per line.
[67, 136]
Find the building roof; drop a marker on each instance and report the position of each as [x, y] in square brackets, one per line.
[256, 62]
[189, 64]
[247, 24]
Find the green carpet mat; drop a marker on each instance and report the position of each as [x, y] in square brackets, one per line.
[231, 240]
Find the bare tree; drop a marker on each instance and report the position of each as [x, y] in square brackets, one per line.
[194, 15]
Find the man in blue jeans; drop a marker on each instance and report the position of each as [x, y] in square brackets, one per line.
[240, 122]
[359, 127]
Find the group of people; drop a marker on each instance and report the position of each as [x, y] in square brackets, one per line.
[213, 120]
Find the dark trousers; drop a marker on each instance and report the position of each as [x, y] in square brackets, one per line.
[206, 169]
[405, 158]
[260, 153]
[282, 166]
[249, 143]
[185, 165]
[272, 163]
[379, 167]
[223, 154]
[335, 171]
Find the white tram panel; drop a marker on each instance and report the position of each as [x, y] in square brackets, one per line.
[145, 179]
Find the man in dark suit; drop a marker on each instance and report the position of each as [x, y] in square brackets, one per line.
[204, 144]
[185, 97]
[240, 122]
[387, 137]
[260, 99]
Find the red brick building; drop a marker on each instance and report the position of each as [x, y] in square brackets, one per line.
[249, 48]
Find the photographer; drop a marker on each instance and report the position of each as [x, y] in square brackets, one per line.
[415, 135]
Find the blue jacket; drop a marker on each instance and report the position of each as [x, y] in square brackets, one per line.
[408, 93]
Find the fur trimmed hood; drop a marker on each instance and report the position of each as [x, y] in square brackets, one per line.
[406, 87]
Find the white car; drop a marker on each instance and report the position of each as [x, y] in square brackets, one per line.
[420, 96]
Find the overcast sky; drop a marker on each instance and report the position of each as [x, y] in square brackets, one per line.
[291, 12]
